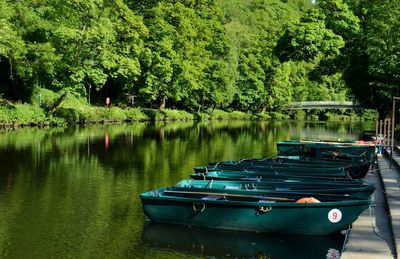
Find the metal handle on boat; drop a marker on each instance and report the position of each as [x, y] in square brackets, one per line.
[195, 207]
[265, 208]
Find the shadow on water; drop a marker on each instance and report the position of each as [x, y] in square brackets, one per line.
[220, 243]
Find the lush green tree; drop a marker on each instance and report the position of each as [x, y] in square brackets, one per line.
[98, 41]
[325, 39]
[24, 45]
[374, 68]
[71, 44]
[309, 40]
[12, 51]
[253, 28]
[200, 55]
[11, 44]
[188, 51]
[383, 51]
[340, 19]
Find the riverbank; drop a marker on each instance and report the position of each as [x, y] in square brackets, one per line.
[73, 110]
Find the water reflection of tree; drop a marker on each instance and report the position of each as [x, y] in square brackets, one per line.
[62, 184]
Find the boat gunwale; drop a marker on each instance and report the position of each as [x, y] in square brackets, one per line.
[160, 196]
[251, 176]
[328, 144]
[355, 188]
[350, 183]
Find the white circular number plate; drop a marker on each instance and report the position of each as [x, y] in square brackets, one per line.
[334, 215]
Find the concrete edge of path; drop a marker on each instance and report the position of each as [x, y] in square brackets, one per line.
[371, 235]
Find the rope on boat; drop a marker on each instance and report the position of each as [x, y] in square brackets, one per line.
[382, 190]
[373, 226]
[265, 209]
[387, 194]
[349, 176]
[346, 237]
[246, 186]
[374, 170]
[195, 209]
[216, 165]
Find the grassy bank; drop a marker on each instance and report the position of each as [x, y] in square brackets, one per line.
[74, 110]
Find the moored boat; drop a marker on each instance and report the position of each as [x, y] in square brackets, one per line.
[226, 209]
[266, 168]
[356, 169]
[260, 175]
[347, 151]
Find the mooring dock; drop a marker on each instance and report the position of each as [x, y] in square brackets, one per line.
[376, 233]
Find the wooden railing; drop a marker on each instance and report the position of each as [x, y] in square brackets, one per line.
[322, 105]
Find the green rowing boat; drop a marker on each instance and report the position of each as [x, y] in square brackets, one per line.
[226, 209]
[259, 175]
[348, 151]
[301, 171]
[355, 169]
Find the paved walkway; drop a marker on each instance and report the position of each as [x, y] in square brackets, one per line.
[376, 233]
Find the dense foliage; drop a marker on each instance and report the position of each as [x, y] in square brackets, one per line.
[247, 55]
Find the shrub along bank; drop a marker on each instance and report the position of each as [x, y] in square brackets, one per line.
[74, 110]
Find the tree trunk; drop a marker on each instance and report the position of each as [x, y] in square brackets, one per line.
[57, 103]
[162, 104]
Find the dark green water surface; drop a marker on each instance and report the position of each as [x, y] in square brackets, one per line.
[74, 192]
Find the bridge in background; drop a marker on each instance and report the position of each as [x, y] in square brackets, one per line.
[322, 105]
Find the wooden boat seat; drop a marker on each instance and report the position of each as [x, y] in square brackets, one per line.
[266, 201]
[252, 178]
[212, 197]
[282, 189]
[292, 181]
[229, 187]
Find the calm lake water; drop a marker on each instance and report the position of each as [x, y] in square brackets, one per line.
[74, 192]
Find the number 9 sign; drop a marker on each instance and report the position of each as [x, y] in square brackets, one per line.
[334, 215]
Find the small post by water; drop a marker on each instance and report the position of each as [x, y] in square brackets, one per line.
[90, 87]
[384, 131]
